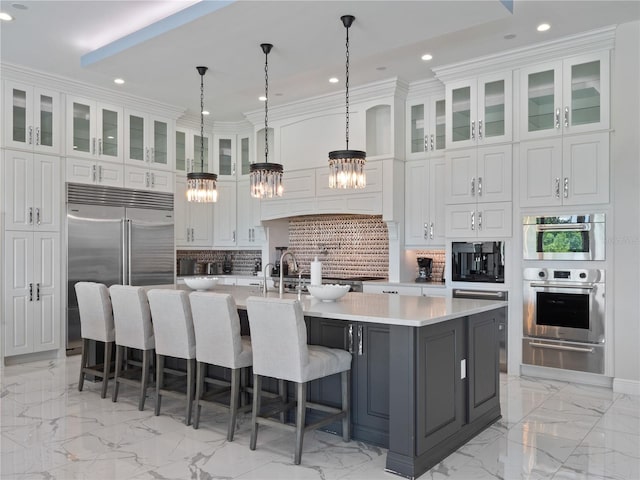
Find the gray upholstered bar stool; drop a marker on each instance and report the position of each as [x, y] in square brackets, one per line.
[217, 328]
[96, 323]
[280, 350]
[174, 335]
[132, 318]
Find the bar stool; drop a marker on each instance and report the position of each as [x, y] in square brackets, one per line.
[96, 323]
[174, 336]
[217, 328]
[132, 318]
[280, 350]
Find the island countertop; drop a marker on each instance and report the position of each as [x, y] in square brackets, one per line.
[408, 311]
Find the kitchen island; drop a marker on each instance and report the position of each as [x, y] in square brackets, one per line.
[425, 370]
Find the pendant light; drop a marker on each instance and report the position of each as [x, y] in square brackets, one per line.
[346, 167]
[201, 186]
[265, 179]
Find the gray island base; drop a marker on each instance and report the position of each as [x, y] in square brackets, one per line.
[425, 370]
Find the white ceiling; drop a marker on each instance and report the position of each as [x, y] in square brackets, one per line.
[386, 40]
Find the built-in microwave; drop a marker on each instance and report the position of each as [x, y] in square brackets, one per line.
[477, 262]
[564, 237]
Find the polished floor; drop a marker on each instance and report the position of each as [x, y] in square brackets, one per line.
[49, 430]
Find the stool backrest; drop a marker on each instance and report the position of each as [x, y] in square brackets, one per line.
[278, 337]
[132, 317]
[217, 328]
[96, 315]
[172, 323]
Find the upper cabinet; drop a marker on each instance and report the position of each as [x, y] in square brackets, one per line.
[479, 111]
[188, 145]
[149, 140]
[563, 97]
[233, 155]
[94, 130]
[425, 127]
[32, 118]
[424, 202]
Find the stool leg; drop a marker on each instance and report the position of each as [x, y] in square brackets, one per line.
[191, 363]
[233, 403]
[257, 387]
[108, 346]
[346, 405]
[144, 382]
[300, 419]
[116, 373]
[199, 392]
[159, 379]
[83, 362]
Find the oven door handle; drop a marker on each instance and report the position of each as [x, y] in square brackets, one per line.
[561, 347]
[587, 286]
[575, 227]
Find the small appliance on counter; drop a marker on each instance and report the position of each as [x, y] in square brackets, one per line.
[425, 268]
[226, 265]
[477, 262]
[257, 266]
[213, 269]
[186, 266]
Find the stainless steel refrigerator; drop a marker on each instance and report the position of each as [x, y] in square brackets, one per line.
[116, 236]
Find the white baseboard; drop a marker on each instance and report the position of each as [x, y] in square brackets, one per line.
[32, 357]
[630, 387]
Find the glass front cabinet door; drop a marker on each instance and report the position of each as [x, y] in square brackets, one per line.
[225, 156]
[563, 97]
[426, 127]
[33, 118]
[188, 145]
[149, 140]
[94, 130]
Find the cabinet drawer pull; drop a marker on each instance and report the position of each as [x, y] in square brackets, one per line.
[38, 216]
[30, 135]
[99, 146]
[31, 292]
[432, 146]
[557, 189]
[94, 176]
[360, 341]
[100, 173]
[479, 220]
[30, 215]
[431, 230]
[425, 235]
[37, 292]
[566, 187]
[479, 129]
[473, 130]
[473, 187]
[426, 143]
[557, 124]
[390, 291]
[473, 220]
[566, 116]
[351, 338]
[561, 347]
[37, 135]
[479, 186]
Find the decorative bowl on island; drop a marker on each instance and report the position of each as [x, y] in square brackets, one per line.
[328, 293]
[201, 283]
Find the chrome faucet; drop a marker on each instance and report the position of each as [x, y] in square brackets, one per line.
[264, 284]
[295, 268]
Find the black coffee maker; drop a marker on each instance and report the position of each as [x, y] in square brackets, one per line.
[425, 265]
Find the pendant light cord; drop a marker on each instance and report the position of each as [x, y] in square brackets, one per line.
[266, 106]
[202, 123]
[347, 89]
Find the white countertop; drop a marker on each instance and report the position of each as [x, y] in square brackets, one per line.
[371, 308]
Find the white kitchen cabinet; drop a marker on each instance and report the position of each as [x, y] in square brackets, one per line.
[425, 124]
[31, 191]
[236, 217]
[572, 170]
[224, 215]
[391, 289]
[565, 97]
[193, 220]
[248, 231]
[32, 292]
[479, 220]
[478, 175]
[32, 118]
[144, 178]
[434, 292]
[148, 141]
[95, 172]
[233, 156]
[424, 202]
[188, 145]
[479, 111]
[94, 130]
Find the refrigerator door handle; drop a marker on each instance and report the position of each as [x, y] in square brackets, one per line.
[123, 267]
[128, 252]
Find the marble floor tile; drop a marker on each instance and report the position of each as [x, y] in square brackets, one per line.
[49, 430]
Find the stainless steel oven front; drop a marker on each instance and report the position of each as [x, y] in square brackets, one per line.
[568, 237]
[564, 318]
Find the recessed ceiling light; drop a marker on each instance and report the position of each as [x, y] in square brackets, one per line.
[109, 137]
[510, 36]
[333, 80]
[205, 112]
[426, 57]
[543, 27]
[118, 81]
[5, 16]
[262, 98]
[19, 6]
[279, 94]
[381, 68]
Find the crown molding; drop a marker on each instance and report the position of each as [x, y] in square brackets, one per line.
[586, 42]
[232, 128]
[425, 88]
[73, 87]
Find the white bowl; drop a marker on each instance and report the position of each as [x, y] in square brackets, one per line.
[328, 293]
[201, 283]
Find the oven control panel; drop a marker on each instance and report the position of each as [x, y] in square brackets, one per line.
[573, 275]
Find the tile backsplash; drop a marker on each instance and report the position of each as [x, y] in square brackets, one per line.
[242, 261]
[347, 245]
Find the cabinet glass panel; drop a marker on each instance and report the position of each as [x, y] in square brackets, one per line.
[136, 137]
[461, 114]
[440, 125]
[19, 116]
[224, 159]
[181, 151]
[81, 127]
[540, 101]
[200, 164]
[46, 120]
[160, 142]
[493, 109]
[109, 133]
[417, 128]
[585, 93]
[244, 155]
